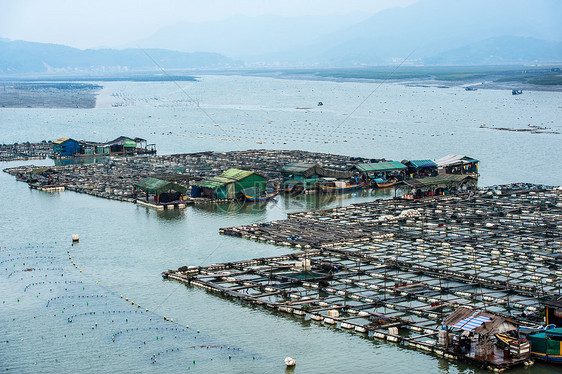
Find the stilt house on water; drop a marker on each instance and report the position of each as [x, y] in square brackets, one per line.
[300, 175]
[66, 147]
[472, 334]
[119, 146]
[161, 191]
[229, 184]
[385, 170]
[443, 184]
[457, 164]
[420, 168]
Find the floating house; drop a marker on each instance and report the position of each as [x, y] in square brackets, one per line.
[457, 164]
[124, 145]
[162, 191]
[120, 146]
[444, 184]
[383, 170]
[229, 184]
[66, 147]
[307, 175]
[472, 334]
[420, 168]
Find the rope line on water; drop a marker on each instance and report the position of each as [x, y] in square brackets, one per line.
[369, 95]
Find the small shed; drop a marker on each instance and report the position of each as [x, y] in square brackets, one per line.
[420, 168]
[66, 147]
[228, 184]
[443, 184]
[308, 174]
[472, 332]
[162, 190]
[457, 164]
[382, 170]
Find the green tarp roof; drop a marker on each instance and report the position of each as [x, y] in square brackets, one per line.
[157, 186]
[229, 176]
[421, 163]
[307, 170]
[380, 166]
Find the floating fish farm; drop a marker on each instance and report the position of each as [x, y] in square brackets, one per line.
[114, 178]
[395, 269]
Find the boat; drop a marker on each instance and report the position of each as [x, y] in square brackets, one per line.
[292, 189]
[254, 195]
[546, 345]
[383, 183]
[470, 88]
[516, 92]
[331, 185]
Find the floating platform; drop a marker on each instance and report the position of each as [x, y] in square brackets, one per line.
[394, 269]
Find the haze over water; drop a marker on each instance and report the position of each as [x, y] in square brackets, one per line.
[124, 247]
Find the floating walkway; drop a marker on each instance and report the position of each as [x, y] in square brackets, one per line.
[394, 269]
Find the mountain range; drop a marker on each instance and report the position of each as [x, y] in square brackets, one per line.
[428, 32]
[17, 57]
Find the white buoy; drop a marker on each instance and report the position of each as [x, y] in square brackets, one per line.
[290, 361]
[75, 238]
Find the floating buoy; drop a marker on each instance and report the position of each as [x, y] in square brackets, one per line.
[290, 361]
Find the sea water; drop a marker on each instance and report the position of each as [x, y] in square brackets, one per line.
[63, 307]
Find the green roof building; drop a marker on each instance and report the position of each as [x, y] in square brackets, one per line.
[228, 184]
[161, 189]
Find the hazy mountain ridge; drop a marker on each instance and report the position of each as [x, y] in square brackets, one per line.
[428, 32]
[427, 29]
[28, 57]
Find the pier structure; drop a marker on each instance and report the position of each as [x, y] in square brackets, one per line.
[395, 269]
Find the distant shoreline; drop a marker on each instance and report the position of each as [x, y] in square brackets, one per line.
[81, 91]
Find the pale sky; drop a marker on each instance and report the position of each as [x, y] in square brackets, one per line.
[112, 23]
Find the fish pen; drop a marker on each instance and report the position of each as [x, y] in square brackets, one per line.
[396, 269]
[114, 179]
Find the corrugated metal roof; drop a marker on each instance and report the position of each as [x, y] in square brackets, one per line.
[300, 168]
[61, 140]
[440, 180]
[307, 170]
[229, 176]
[157, 186]
[454, 160]
[422, 163]
[381, 166]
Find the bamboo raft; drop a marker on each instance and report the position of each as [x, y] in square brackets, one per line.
[394, 269]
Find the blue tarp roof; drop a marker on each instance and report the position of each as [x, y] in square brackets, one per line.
[472, 322]
[422, 163]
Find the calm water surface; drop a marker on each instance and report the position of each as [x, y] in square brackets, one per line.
[124, 248]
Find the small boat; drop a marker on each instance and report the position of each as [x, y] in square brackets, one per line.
[254, 195]
[516, 92]
[470, 88]
[334, 186]
[320, 103]
[382, 183]
[547, 345]
[292, 189]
